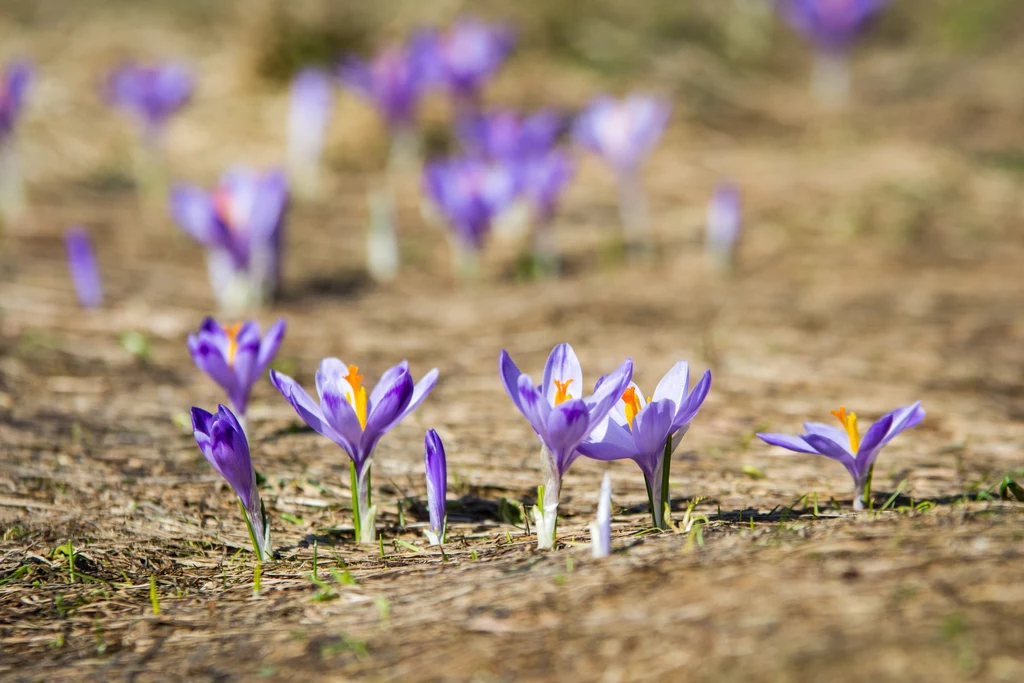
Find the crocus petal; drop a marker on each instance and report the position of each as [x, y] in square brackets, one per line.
[437, 480]
[340, 415]
[787, 441]
[306, 407]
[535, 407]
[903, 419]
[331, 370]
[830, 449]
[828, 431]
[674, 384]
[510, 375]
[386, 413]
[608, 390]
[209, 358]
[386, 381]
[651, 429]
[689, 408]
[564, 367]
[269, 345]
[608, 441]
[419, 392]
[201, 421]
[85, 272]
[192, 209]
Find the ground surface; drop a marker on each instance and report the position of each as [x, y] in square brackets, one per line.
[881, 265]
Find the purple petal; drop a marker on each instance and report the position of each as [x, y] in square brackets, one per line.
[269, 345]
[535, 407]
[201, 421]
[82, 265]
[437, 480]
[306, 408]
[835, 433]
[567, 425]
[341, 416]
[830, 449]
[210, 359]
[192, 209]
[386, 381]
[610, 441]
[688, 410]
[651, 429]
[510, 375]
[792, 443]
[330, 371]
[386, 414]
[420, 392]
[564, 367]
[608, 391]
[225, 447]
[674, 384]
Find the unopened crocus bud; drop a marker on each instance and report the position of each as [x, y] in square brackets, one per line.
[85, 273]
[437, 487]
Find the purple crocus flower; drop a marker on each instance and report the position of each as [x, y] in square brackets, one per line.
[151, 93]
[622, 132]
[506, 135]
[467, 55]
[601, 528]
[832, 25]
[393, 82]
[437, 487]
[85, 273]
[13, 86]
[235, 356]
[309, 113]
[222, 440]
[723, 228]
[648, 432]
[356, 421]
[470, 193]
[561, 417]
[240, 223]
[543, 179]
[846, 446]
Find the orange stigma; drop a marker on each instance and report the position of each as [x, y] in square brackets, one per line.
[358, 398]
[632, 405]
[222, 206]
[562, 391]
[232, 332]
[849, 422]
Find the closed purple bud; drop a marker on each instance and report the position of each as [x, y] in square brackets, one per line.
[222, 440]
[470, 193]
[13, 87]
[832, 25]
[393, 82]
[82, 265]
[437, 486]
[467, 54]
[150, 92]
[622, 132]
[724, 221]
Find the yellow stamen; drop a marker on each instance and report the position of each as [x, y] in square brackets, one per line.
[232, 332]
[632, 406]
[562, 391]
[358, 400]
[849, 422]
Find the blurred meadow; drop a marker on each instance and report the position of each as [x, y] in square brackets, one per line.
[878, 264]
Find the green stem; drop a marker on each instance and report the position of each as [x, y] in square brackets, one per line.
[353, 481]
[252, 533]
[868, 503]
[666, 505]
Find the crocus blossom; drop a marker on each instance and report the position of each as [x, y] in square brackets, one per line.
[150, 93]
[222, 440]
[465, 56]
[845, 445]
[355, 420]
[723, 227]
[623, 133]
[13, 87]
[504, 134]
[85, 273]
[437, 487]
[393, 82]
[235, 356]
[470, 193]
[831, 26]
[562, 418]
[14, 84]
[649, 431]
[309, 113]
[240, 223]
[601, 528]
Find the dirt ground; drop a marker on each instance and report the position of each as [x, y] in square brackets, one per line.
[881, 264]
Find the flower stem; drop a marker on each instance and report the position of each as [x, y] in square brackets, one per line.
[868, 502]
[363, 511]
[256, 547]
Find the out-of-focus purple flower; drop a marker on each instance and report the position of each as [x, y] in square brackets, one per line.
[466, 55]
[832, 25]
[470, 193]
[506, 135]
[150, 92]
[13, 87]
[543, 179]
[235, 356]
[648, 432]
[622, 132]
[222, 440]
[309, 113]
[354, 420]
[393, 82]
[601, 529]
[240, 222]
[724, 221]
[85, 273]
[437, 487]
[846, 446]
[561, 417]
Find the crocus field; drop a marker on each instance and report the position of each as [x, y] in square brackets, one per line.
[681, 341]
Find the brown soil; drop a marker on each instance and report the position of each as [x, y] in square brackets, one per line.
[880, 265]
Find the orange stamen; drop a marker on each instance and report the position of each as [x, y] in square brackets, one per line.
[232, 332]
[562, 391]
[632, 405]
[222, 207]
[849, 422]
[358, 399]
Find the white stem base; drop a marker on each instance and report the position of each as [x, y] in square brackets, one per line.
[545, 522]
